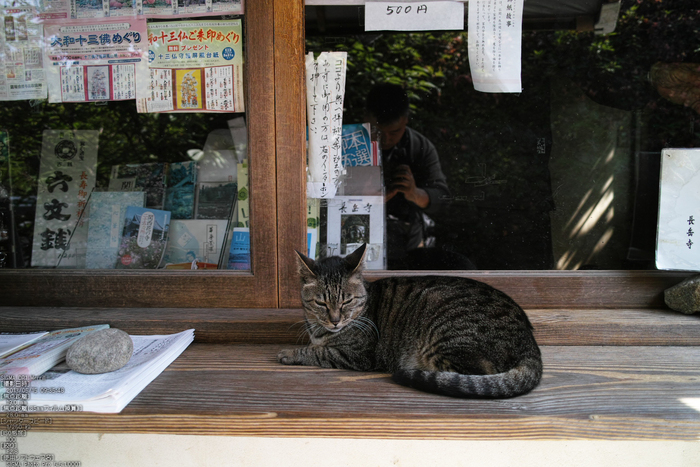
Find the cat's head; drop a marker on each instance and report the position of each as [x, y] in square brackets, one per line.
[332, 289]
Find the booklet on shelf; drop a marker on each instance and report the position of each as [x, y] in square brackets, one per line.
[44, 353]
[64, 390]
[12, 342]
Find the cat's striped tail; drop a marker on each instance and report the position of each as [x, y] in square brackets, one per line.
[515, 382]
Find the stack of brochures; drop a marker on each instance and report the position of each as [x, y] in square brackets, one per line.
[61, 389]
[35, 353]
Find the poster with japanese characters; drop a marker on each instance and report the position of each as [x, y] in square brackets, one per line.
[100, 60]
[78, 9]
[66, 179]
[21, 58]
[195, 66]
[352, 221]
[495, 44]
[678, 234]
[325, 94]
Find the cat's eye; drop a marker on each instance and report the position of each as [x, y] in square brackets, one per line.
[321, 304]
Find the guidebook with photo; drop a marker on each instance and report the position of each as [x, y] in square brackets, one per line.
[144, 238]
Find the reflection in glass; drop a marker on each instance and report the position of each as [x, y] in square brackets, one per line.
[563, 175]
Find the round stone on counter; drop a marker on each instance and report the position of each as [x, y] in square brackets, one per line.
[684, 297]
[100, 352]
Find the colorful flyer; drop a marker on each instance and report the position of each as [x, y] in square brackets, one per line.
[66, 179]
[195, 66]
[78, 9]
[21, 58]
[96, 60]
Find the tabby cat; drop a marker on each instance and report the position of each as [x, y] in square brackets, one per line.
[440, 334]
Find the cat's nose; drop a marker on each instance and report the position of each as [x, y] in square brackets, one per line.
[335, 321]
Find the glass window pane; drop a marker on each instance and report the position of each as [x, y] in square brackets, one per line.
[563, 175]
[101, 185]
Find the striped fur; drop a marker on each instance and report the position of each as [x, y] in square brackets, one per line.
[440, 334]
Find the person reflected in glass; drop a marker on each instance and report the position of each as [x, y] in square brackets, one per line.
[416, 187]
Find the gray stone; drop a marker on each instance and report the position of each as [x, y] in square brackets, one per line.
[100, 352]
[684, 297]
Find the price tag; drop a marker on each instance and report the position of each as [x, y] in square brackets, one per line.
[414, 16]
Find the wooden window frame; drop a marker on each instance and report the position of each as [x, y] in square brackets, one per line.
[186, 289]
[276, 128]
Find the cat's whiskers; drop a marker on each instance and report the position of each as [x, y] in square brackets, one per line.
[366, 325]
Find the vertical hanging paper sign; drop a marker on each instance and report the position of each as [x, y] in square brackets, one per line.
[325, 78]
[678, 236]
[66, 179]
[495, 42]
[414, 16]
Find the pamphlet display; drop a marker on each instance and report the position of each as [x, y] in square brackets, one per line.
[144, 238]
[180, 191]
[106, 213]
[149, 177]
[195, 241]
[96, 61]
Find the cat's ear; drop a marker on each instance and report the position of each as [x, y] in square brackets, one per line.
[305, 265]
[355, 260]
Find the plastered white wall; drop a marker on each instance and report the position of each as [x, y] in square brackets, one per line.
[124, 450]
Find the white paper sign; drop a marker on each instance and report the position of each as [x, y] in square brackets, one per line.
[354, 220]
[325, 93]
[678, 236]
[495, 43]
[414, 16]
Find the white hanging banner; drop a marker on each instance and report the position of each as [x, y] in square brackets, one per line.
[414, 16]
[66, 179]
[325, 93]
[678, 236]
[495, 43]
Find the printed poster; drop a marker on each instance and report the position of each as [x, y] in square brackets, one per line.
[194, 66]
[78, 9]
[66, 179]
[358, 147]
[495, 44]
[96, 61]
[678, 237]
[352, 221]
[21, 55]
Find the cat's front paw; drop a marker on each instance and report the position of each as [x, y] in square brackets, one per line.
[286, 357]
